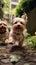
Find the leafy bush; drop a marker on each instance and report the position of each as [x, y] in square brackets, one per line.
[24, 6]
[1, 8]
[1, 13]
[27, 35]
[32, 41]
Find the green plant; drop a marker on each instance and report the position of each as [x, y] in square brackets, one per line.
[24, 6]
[27, 35]
[7, 5]
[32, 41]
[1, 8]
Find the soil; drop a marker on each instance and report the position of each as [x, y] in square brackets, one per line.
[28, 56]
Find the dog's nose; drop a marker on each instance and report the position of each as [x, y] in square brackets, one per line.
[2, 26]
[18, 25]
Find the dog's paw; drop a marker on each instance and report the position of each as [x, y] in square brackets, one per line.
[11, 42]
[6, 41]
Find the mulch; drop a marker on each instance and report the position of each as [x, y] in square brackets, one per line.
[28, 56]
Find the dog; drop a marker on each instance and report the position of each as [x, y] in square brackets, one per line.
[4, 33]
[18, 29]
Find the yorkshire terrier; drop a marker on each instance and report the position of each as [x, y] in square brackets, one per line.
[18, 29]
[4, 33]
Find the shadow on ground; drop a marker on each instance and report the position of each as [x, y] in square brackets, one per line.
[27, 56]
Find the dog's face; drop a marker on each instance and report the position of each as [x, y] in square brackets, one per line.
[3, 26]
[19, 24]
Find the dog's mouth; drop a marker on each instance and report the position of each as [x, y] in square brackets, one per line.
[18, 29]
[2, 30]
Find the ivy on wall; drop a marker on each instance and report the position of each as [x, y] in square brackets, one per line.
[24, 6]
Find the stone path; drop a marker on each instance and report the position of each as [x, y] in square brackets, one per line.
[28, 57]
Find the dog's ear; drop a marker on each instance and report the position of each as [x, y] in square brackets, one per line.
[13, 16]
[24, 16]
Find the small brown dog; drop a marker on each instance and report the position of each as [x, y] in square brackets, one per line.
[18, 28]
[4, 34]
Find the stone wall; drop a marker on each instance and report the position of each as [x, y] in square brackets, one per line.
[31, 25]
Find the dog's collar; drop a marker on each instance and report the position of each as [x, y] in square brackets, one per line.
[16, 33]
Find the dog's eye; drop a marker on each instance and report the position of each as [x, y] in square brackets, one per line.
[15, 22]
[22, 23]
[5, 25]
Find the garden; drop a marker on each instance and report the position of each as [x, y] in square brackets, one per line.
[16, 55]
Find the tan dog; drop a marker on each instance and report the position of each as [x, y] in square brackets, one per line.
[4, 34]
[18, 28]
